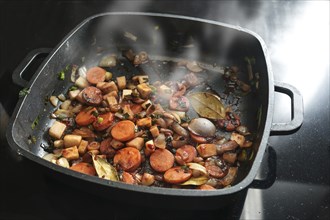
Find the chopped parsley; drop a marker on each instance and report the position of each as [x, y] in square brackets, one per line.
[95, 113]
[99, 120]
[35, 122]
[72, 88]
[61, 74]
[32, 139]
[23, 92]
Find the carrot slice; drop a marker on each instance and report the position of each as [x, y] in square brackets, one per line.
[123, 131]
[85, 168]
[161, 160]
[128, 158]
[103, 121]
[187, 153]
[136, 108]
[128, 178]
[206, 187]
[95, 75]
[86, 117]
[177, 175]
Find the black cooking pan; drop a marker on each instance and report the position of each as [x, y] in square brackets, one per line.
[165, 37]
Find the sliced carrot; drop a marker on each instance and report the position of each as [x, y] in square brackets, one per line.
[123, 131]
[198, 139]
[187, 153]
[103, 121]
[86, 117]
[177, 175]
[128, 178]
[161, 160]
[95, 75]
[128, 158]
[136, 108]
[206, 187]
[85, 168]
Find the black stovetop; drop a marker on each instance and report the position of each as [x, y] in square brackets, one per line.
[297, 37]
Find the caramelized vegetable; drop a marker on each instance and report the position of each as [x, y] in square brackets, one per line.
[123, 131]
[163, 133]
[95, 75]
[86, 116]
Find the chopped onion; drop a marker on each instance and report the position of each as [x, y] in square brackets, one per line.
[196, 166]
[61, 97]
[82, 71]
[63, 162]
[74, 73]
[49, 157]
[53, 100]
[108, 61]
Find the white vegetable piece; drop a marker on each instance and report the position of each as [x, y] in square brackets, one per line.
[71, 140]
[112, 100]
[127, 93]
[137, 143]
[71, 153]
[73, 94]
[121, 82]
[58, 143]
[240, 139]
[81, 82]
[144, 90]
[53, 100]
[82, 71]
[49, 157]
[57, 130]
[66, 104]
[63, 162]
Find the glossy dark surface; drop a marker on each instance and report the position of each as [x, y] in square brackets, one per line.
[297, 38]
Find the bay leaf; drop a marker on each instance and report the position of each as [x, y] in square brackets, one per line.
[104, 169]
[207, 105]
[196, 181]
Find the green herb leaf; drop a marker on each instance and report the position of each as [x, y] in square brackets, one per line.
[72, 88]
[23, 92]
[35, 122]
[99, 120]
[61, 75]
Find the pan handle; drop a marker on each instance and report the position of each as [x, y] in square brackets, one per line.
[270, 177]
[25, 63]
[297, 109]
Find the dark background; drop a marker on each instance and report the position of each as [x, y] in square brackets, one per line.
[296, 34]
